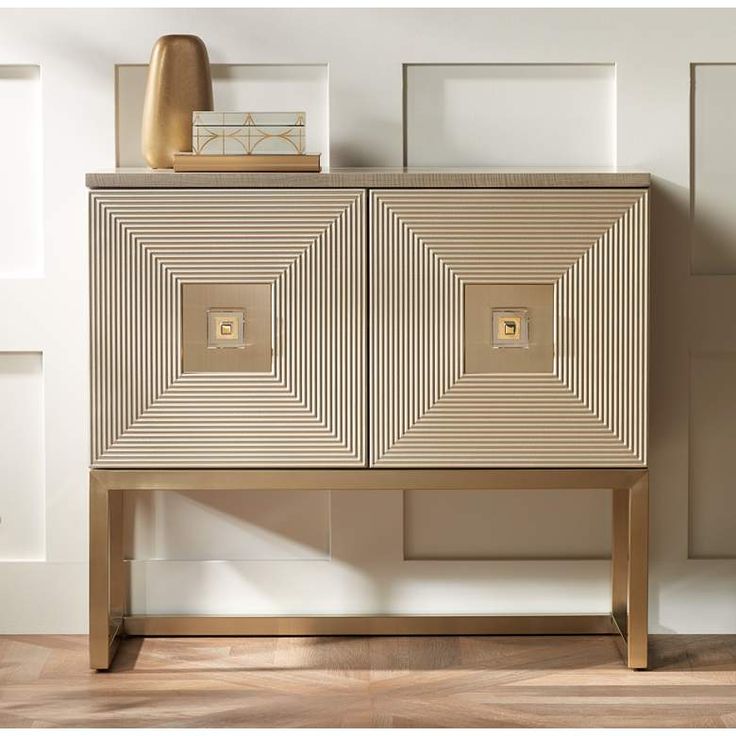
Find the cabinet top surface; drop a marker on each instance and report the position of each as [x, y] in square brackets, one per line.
[365, 178]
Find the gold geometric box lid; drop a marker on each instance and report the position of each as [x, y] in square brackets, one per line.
[244, 133]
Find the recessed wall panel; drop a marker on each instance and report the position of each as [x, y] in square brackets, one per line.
[713, 455]
[507, 524]
[22, 457]
[237, 87]
[248, 525]
[713, 175]
[21, 250]
[510, 114]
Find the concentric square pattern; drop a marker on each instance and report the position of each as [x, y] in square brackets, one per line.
[581, 404]
[308, 409]
[590, 408]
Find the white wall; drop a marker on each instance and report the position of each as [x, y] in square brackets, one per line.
[628, 101]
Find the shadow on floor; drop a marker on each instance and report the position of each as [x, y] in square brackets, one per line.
[415, 653]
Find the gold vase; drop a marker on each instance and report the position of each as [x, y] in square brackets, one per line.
[179, 82]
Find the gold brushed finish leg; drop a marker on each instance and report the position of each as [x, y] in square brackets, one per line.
[118, 577]
[620, 559]
[107, 583]
[638, 579]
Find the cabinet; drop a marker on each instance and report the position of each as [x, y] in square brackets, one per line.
[366, 330]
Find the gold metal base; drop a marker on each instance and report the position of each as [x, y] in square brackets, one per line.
[367, 625]
[629, 563]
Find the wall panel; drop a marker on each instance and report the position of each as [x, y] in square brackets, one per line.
[254, 525]
[510, 114]
[21, 247]
[237, 87]
[506, 525]
[22, 481]
[713, 455]
[713, 99]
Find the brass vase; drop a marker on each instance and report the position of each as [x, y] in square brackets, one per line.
[179, 82]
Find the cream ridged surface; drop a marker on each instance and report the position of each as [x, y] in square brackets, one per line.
[309, 410]
[591, 410]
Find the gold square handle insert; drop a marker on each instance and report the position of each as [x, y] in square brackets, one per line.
[225, 328]
[510, 328]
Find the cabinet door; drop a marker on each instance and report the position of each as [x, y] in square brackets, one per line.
[228, 328]
[509, 328]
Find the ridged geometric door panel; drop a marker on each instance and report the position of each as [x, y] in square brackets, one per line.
[296, 259]
[445, 263]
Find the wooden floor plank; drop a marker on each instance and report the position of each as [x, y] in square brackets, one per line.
[576, 681]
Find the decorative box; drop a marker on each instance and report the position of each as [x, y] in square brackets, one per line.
[219, 133]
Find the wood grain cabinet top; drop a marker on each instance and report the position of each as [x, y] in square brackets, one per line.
[369, 178]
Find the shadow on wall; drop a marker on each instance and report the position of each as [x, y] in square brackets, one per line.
[226, 525]
[668, 423]
[298, 526]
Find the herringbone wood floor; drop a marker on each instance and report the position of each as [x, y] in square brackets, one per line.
[320, 682]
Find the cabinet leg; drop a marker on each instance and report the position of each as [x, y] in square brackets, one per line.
[629, 569]
[107, 587]
[638, 581]
[620, 559]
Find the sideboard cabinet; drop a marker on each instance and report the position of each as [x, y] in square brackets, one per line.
[356, 329]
